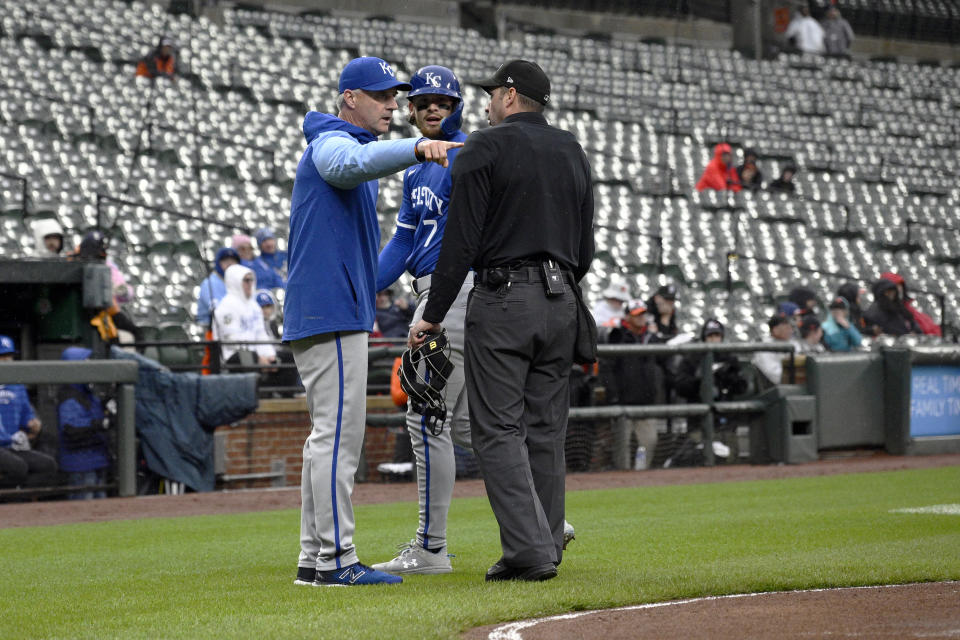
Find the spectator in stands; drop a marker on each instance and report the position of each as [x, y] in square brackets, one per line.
[243, 245]
[749, 173]
[267, 276]
[276, 260]
[161, 62]
[784, 184]
[285, 375]
[663, 306]
[49, 237]
[685, 371]
[888, 312]
[839, 332]
[791, 310]
[393, 315]
[84, 448]
[720, 174]
[811, 335]
[805, 299]
[609, 311]
[19, 466]
[93, 248]
[213, 288]
[632, 380]
[238, 318]
[837, 34]
[268, 307]
[805, 33]
[924, 322]
[853, 294]
[770, 363]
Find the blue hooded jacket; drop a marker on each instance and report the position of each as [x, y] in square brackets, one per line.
[334, 230]
[79, 408]
[213, 288]
[15, 411]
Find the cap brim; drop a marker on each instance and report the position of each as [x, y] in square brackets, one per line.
[387, 84]
[489, 84]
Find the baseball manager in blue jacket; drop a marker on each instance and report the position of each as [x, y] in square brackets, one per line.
[331, 294]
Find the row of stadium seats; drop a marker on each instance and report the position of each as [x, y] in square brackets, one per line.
[930, 20]
[876, 143]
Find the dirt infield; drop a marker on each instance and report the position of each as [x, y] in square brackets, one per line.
[906, 611]
[193, 504]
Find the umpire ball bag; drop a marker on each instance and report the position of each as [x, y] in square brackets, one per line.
[423, 374]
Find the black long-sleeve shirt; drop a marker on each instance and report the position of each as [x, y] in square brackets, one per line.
[521, 191]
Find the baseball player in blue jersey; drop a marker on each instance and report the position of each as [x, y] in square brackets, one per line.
[435, 108]
[329, 307]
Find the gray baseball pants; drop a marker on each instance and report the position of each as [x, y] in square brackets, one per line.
[333, 367]
[436, 465]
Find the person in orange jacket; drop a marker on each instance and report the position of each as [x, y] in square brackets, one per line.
[161, 61]
[720, 174]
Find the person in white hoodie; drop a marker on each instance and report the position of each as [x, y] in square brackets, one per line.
[238, 318]
[49, 237]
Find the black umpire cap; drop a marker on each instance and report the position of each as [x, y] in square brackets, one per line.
[524, 76]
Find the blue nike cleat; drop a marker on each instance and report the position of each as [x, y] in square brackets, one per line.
[355, 574]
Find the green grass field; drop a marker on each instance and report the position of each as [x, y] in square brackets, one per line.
[231, 576]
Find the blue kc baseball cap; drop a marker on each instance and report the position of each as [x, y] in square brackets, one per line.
[6, 346]
[370, 74]
[265, 298]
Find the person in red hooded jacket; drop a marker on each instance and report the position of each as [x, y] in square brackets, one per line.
[924, 322]
[720, 174]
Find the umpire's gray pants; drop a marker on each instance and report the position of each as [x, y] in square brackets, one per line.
[519, 352]
[333, 367]
[436, 465]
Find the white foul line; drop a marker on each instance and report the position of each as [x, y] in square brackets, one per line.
[511, 631]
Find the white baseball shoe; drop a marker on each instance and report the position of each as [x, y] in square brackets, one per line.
[415, 559]
[568, 534]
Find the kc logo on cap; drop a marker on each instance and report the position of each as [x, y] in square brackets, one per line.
[370, 74]
[6, 345]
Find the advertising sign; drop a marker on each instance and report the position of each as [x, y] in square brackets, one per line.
[935, 401]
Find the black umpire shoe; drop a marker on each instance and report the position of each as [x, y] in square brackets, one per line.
[500, 572]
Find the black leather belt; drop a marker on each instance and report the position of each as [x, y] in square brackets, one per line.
[497, 276]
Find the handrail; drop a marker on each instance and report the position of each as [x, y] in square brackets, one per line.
[101, 197]
[24, 189]
[655, 236]
[123, 373]
[91, 110]
[269, 151]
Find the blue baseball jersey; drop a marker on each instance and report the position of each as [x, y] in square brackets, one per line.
[15, 411]
[426, 196]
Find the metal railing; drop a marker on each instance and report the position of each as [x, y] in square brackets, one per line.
[124, 374]
[103, 197]
[706, 408]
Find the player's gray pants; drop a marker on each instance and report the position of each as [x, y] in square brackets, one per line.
[436, 466]
[333, 367]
